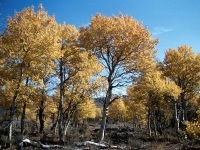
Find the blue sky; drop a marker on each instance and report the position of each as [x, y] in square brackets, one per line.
[173, 22]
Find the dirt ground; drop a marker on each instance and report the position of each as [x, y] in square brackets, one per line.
[124, 137]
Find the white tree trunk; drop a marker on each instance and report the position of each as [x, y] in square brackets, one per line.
[177, 120]
[55, 129]
[66, 126]
[105, 115]
[12, 113]
[13, 107]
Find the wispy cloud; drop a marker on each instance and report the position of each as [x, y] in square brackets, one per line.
[87, 24]
[161, 30]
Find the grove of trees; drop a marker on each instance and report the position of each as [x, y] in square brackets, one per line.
[50, 73]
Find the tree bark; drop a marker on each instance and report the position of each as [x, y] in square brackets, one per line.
[155, 122]
[12, 113]
[71, 115]
[23, 118]
[13, 107]
[53, 117]
[184, 107]
[60, 111]
[105, 113]
[41, 110]
[23, 113]
[54, 127]
[66, 125]
[176, 116]
[149, 121]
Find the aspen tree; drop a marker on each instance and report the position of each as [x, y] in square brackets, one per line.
[28, 44]
[75, 68]
[182, 66]
[79, 87]
[151, 91]
[122, 46]
[67, 39]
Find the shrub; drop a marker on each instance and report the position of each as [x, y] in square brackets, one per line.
[135, 143]
[193, 128]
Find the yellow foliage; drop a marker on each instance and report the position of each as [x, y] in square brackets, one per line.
[29, 44]
[118, 42]
[152, 90]
[25, 45]
[117, 109]
[154, 82]
[87, 109]
[182, 67]
[154, 86]
[136, 105]
[31, 113]
[99, 112]
[193, 127]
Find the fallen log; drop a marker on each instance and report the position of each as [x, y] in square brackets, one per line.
[38, 144]
[100, 145]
